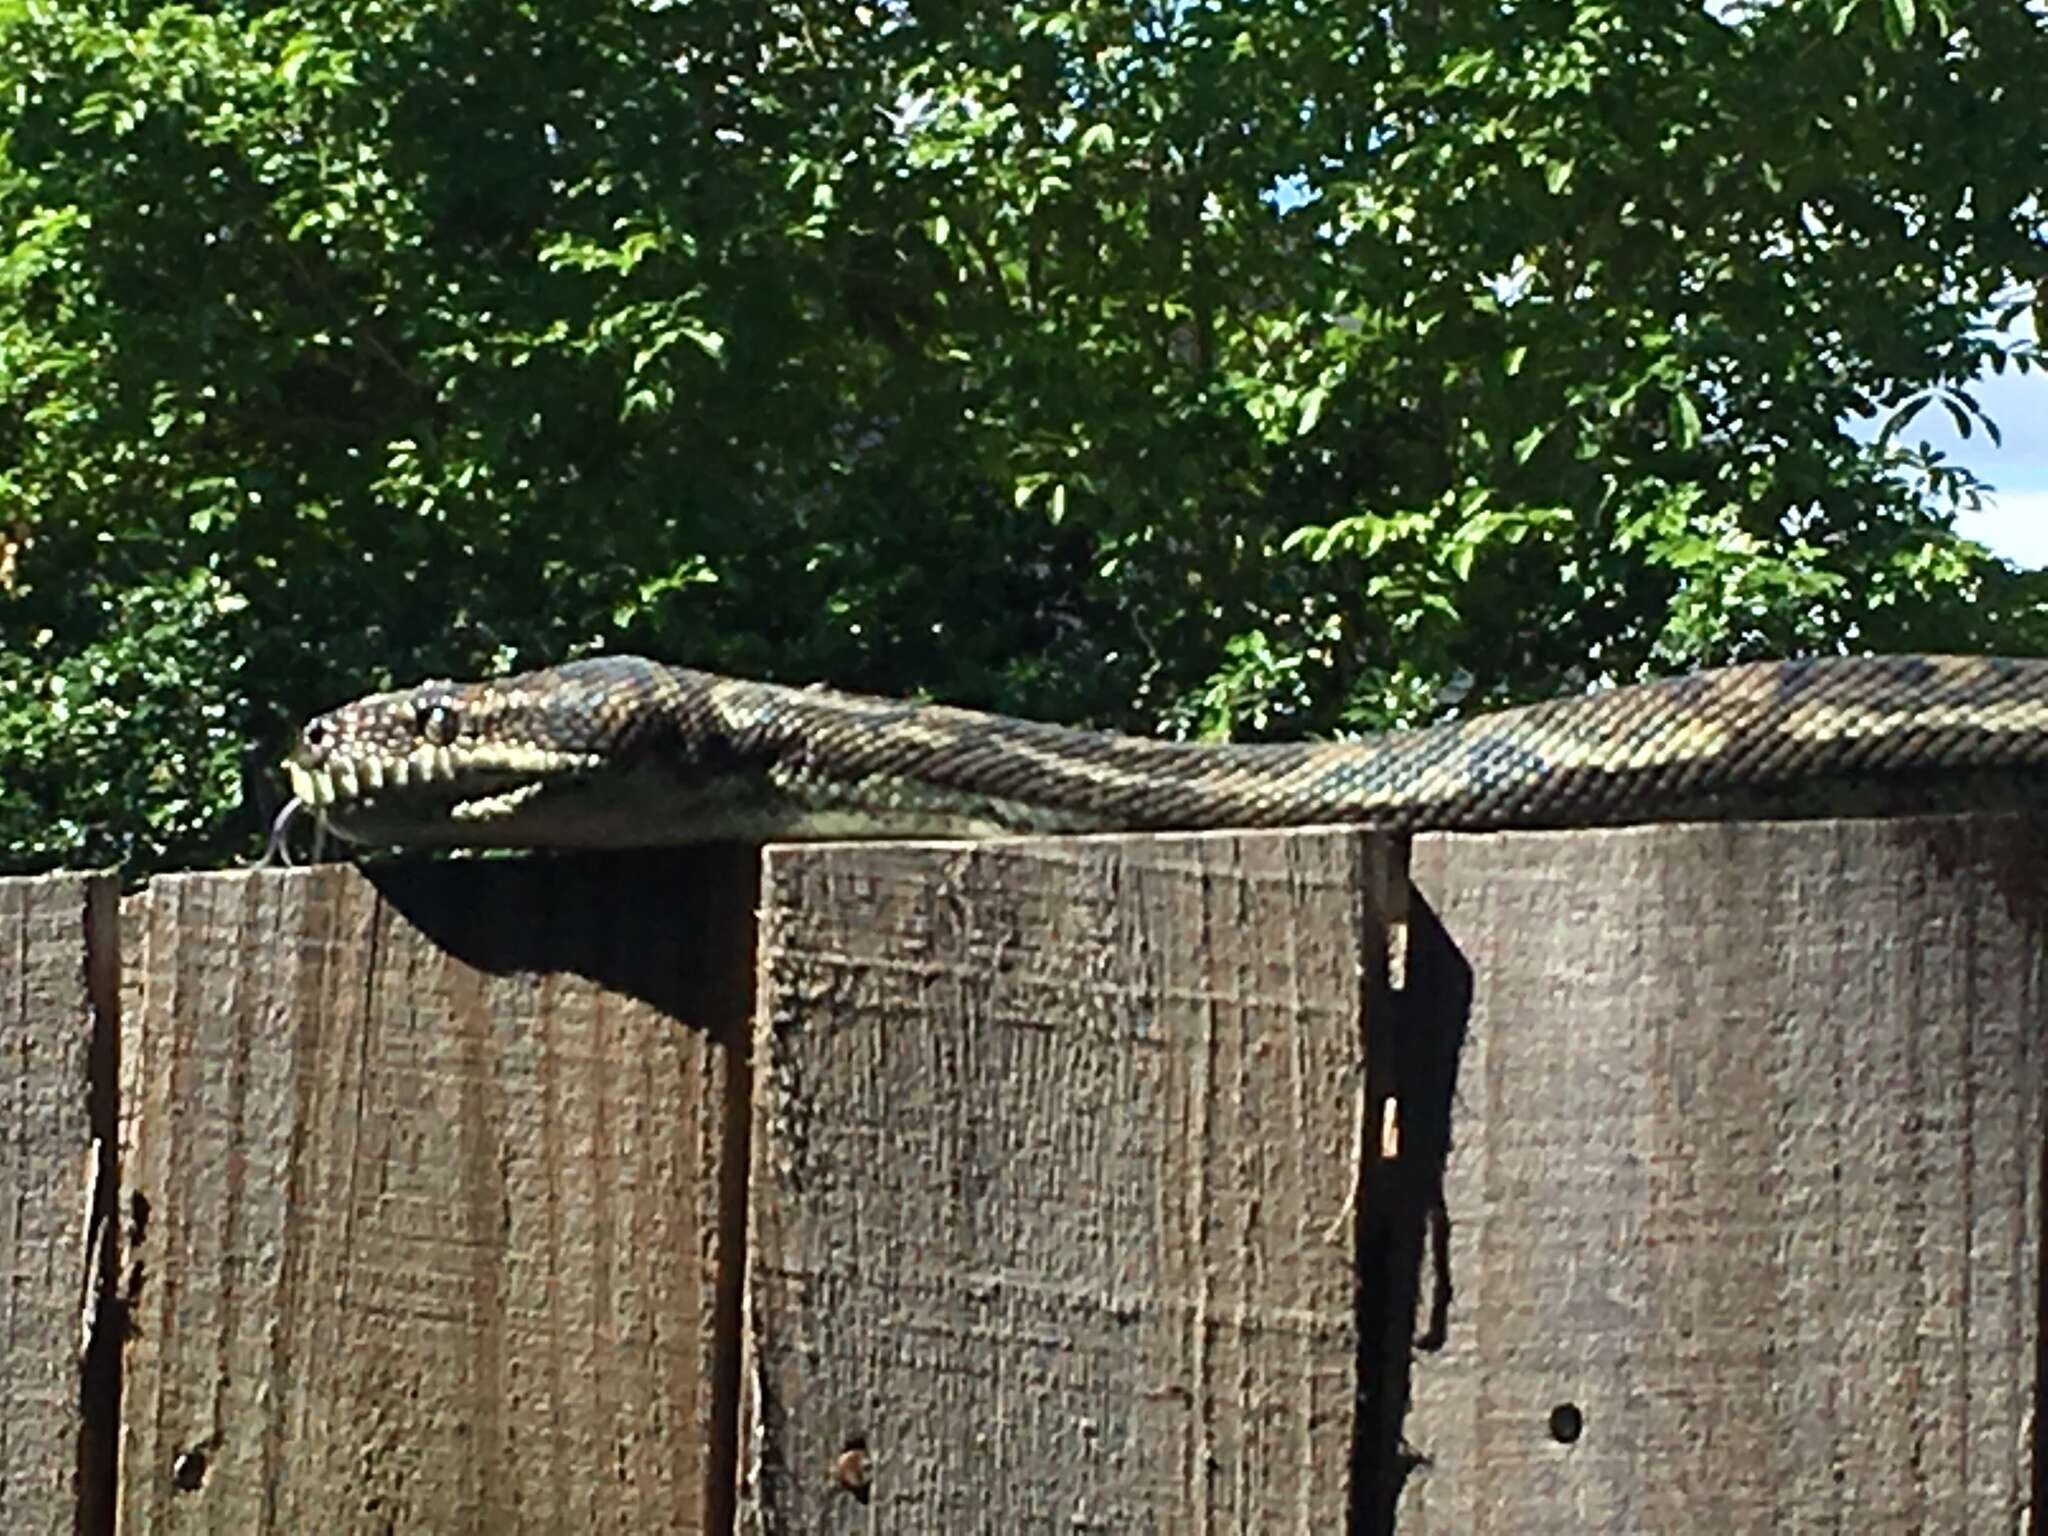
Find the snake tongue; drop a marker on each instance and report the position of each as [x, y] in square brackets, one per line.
[491, 807]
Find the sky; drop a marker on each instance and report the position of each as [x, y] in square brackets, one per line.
[2014, 522]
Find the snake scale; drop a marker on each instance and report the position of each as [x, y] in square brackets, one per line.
[621, 751]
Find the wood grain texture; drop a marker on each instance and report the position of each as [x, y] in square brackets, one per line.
[429, 1165]
[1747, 1138]
[56, 999]
[1055, 1177]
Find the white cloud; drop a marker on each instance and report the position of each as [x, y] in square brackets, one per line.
[2013, 523]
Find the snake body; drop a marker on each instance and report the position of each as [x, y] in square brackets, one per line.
[622, 751]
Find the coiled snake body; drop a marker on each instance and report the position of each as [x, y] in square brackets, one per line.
[620, 751]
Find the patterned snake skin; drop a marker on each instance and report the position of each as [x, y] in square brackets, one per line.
[620, 752]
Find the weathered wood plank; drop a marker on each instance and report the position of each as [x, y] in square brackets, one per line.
[430, 1163]
[1055, 1182]
[1747, 1139]
[57, 1010]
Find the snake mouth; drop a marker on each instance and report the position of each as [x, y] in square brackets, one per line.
[431, 784]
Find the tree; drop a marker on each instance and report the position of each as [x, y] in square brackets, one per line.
[1214, 368]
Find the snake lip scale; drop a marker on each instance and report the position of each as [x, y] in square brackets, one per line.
[621, 752]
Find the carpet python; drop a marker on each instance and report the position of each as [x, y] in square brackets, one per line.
[619, 751]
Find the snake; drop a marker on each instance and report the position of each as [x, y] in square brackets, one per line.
[622, 751]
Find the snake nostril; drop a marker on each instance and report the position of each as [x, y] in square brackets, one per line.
[315, 737]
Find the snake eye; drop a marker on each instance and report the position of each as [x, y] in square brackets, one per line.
[438, 721]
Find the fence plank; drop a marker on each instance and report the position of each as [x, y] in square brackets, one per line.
[57, 1013]
[1747, 1163]
[429, 1163]
[1054, 1183]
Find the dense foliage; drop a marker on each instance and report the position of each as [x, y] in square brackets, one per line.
[1212, 367]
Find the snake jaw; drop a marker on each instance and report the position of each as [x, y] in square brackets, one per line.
[340, 781]
[367, 799]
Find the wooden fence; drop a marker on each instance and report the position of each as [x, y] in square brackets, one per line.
[1682, 1178]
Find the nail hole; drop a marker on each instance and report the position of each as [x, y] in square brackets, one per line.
[1566, 1423]
[189, 1471]
[850, 1470]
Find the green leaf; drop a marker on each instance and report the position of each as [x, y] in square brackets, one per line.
[292, 62]
[1685, 420]
[707, 341]
[1469, 67]
[1312, 402]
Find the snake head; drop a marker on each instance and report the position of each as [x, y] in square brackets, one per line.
[447, 762]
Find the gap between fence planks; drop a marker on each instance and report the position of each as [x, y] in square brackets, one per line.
[1728, 1140]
